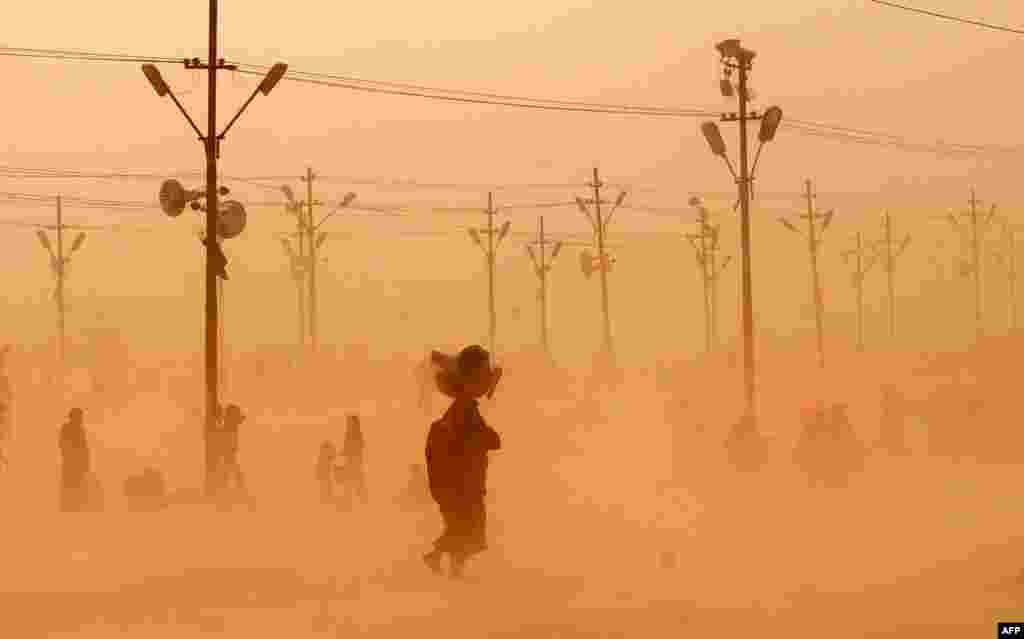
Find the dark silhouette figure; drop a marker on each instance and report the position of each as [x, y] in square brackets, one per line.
[457, 455]
[326, 467]
[212, 434]
[228, 466]
[352, 473]
[75, 466]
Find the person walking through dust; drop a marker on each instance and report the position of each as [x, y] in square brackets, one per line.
[325, 471]
[229, 466]
[74, 476]
[352, 473]
[457, 455]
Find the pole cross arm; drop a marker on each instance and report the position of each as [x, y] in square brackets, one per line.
[265, 87]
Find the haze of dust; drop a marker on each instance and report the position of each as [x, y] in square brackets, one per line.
[613, 513]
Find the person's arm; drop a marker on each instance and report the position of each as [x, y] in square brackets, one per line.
[491, 438]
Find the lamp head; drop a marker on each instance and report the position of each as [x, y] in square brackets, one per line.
[272, 78]
[155, 80]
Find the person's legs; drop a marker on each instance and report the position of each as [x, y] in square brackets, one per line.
[446, 543]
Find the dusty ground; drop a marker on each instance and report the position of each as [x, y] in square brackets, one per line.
[605, 522]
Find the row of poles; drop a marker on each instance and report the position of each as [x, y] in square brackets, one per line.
[734, 58]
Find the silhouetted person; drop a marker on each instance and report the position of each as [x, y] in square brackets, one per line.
[212, 435]
[352, 475]
[326, 468]
[75, 466]
[457, 449]
[228, 465]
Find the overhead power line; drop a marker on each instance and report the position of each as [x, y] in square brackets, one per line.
[524, 103]
[81, 56]
[943, 16]
[261, 69]
[799, 127]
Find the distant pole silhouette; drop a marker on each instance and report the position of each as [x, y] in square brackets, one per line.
[304, 267]
[599, 221]
[861, 269]
[58, 266]
[813, 245]
[490, 250]
[541, 267]
[314, 343]
[705, 245]
[61, 344]
[976, 263]
[977, 226]
[1007, 254]
[890, 270]
[299, 273]
[891, 251]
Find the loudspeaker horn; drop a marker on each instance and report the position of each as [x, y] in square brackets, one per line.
[174, 197]
[231, 220]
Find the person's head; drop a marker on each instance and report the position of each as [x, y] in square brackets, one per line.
[76, 416]
[327, 448]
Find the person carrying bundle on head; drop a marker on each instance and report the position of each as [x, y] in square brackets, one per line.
[457, 456]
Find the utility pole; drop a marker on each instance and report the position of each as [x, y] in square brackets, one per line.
[1006, 254]
[813, 244]
[736, 58]
[705, 246]
[60, 289]
[306, 266]
[862, 266]
[176, 198]
[58, 266]
[541, 267]
[599, 222]
[489, 253]
[891, 251]
[297, 268]
[314, 342]
[978, 225]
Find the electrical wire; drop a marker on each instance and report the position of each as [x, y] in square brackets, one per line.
[82, 56]
[943, 16]
[803, 127]
[487, 101]
[253, 68]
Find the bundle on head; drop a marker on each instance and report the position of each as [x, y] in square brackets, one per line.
[467, 375]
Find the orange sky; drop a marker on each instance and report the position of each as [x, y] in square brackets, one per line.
[855, 64]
